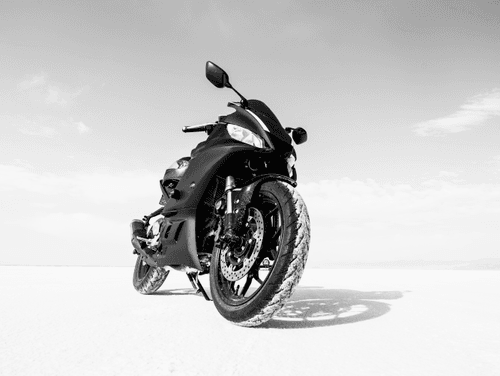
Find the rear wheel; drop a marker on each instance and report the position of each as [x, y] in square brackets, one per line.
[250, 282]
[148, 279]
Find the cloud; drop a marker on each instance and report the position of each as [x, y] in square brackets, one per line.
[66, 238]
[41, 93]
[70, 225]
[448, 174]
[401, 203]
[39, 89]
[56, 96]
[496, 160]
[32, 82]
[476, 111]
[74, 218]
[351, 220]
[115, 188]
[59, 97]
[366, 220]
[46, 124]
[49, 126]
[81, 127]
[39, 126]
[493, 165]
[24, 180]
[39, 130]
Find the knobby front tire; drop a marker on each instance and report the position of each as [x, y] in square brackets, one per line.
[282, 258]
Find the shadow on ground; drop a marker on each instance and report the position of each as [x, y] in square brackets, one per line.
[311, 307]
[173, 292]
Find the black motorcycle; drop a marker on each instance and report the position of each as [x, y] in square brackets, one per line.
[230, 210]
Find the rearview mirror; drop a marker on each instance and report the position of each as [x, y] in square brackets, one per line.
[216, 75]
[299, 135]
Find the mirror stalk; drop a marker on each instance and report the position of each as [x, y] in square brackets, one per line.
[244, 101]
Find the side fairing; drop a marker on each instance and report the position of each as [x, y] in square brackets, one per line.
[202, 168]
[178, 238]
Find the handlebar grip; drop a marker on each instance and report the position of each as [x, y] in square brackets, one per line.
[198, 128]
[194, 128]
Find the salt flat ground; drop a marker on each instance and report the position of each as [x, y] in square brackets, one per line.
[90, 321]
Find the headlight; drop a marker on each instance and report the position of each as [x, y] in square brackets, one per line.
[181, 163]
[290, 161]
[245, 135]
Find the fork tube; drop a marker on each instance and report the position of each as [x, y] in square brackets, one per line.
[229, 218]
[229, 194]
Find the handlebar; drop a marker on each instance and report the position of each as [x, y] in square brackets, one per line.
[199, 128]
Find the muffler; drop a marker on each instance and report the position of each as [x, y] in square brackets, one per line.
[138, 232]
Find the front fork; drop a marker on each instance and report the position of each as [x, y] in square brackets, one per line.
[229, 222]
[237, 201]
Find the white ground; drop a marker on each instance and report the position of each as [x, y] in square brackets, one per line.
[90, 321]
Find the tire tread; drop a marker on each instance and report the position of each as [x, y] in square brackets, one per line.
[152, 281]
[289, 277]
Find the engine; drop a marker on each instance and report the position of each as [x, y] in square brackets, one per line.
[153, 231]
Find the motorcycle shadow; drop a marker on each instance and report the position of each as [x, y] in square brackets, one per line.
[312, 307]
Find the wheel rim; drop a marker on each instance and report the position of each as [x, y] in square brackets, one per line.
[240, 282]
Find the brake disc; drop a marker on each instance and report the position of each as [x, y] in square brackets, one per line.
[235, 264]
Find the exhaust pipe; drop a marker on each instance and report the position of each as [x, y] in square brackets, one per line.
[138, 230]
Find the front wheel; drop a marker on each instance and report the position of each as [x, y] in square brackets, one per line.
[148, 279]
[250, 282]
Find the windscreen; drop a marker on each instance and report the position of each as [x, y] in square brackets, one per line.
[267, 116]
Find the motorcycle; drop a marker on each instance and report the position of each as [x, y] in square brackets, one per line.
[230, 210]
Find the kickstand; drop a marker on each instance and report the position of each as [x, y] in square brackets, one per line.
[195, 282]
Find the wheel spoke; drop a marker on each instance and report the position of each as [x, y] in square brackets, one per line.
[256, 277]
[248, 282]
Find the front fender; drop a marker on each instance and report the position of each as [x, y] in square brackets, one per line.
[242, 196]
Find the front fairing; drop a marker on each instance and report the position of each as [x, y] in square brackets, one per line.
[211, 161]
[271, 130]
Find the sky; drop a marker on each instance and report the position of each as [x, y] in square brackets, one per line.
[401, 101]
